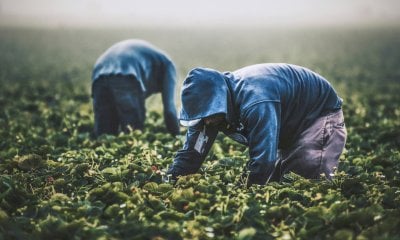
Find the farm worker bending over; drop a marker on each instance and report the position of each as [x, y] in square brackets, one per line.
[123, 77]
[266, 107]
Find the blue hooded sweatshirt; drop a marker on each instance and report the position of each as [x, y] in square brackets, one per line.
[148, 65]
[266, 107]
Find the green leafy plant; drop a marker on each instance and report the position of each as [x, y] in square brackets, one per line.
[56, 181]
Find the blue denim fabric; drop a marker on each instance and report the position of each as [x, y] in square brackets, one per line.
[118, 102]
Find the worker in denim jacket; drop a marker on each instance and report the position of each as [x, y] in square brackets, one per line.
[123, 77]
[268, 107]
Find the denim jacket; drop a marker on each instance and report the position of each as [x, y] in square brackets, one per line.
[266, 106]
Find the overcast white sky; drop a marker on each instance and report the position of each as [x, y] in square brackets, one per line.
[124, 13]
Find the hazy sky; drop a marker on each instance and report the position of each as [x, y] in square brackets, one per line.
[123, 13]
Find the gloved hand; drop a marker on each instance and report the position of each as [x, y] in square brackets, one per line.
[247, 179]
[173, 173]
[185, 163]
[176, 170]
[254, 178]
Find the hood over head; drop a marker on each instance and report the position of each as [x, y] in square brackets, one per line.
[204, 93]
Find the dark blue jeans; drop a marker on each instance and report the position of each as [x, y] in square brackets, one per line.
[118, 103]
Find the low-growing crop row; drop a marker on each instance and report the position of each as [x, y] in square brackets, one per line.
[58, 182]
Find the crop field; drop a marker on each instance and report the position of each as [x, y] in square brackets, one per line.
[57, 182]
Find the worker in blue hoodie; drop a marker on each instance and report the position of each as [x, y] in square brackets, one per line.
[123, 77]
[289, 117]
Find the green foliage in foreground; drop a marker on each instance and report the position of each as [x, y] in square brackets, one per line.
[56, 182]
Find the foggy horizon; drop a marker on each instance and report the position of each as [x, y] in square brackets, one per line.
[125, 13]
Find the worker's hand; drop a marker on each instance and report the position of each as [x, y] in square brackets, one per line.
[180, 169]
[247, 179]
[168, 178]
[174, 172]
[259, 179]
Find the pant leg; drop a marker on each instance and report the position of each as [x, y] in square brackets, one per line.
[335, 141]
[318, 148]
[129, 102]
[105, 116]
